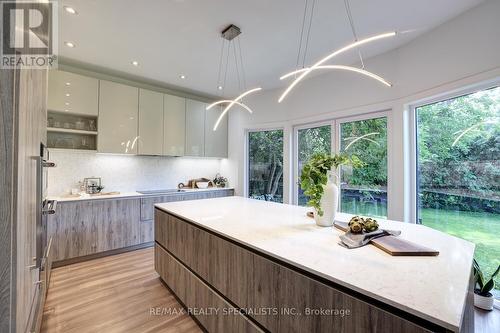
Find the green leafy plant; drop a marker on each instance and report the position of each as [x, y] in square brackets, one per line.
[314, 175]
[483, 286]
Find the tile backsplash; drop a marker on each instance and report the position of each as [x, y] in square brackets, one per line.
[125, 173]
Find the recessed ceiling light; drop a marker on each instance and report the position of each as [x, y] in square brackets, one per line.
[182, 76]
[69, 44]
[68, 83]
[70, 10]
[66, 103]
[66, 110]
[67, 95]
[135, 63]
[219, 87]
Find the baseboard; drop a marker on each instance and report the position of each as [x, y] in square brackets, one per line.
[66, 262]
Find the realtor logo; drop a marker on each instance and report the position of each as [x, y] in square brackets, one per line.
[29, 37]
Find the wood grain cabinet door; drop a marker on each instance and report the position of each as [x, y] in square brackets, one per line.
[118, 223]
[73, 230]
[87, 227]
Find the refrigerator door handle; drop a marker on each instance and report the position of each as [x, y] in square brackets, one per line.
[48, 164]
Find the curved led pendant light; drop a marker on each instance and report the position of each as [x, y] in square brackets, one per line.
[330, 56]
[230, 33]
[319, 65]
[346, 68]
[231, 103]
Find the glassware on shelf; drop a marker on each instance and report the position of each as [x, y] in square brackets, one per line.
[57, 124]
[80, 125]
[85, 142]
[92, 125]
[67, 125]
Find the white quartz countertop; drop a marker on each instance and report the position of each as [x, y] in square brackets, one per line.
[433, 288]
[66, 198]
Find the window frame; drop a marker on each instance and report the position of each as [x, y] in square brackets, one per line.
[246, 172]
[413, 135]
[335, 124]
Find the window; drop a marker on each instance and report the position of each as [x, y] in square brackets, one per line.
[458, 171]
[364, 190]
[265, 165]
[310, 141]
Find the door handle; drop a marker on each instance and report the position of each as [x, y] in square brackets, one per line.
[48, 164]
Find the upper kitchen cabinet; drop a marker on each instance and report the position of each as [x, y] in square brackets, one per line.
[72, 93]
[118, 113]
[150, 122]
[174, 125]
[195, 128]
[215, 141]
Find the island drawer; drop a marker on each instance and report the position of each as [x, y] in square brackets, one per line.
[253, 280]
[211, 310]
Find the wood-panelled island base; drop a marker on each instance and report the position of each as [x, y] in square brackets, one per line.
[239, 265]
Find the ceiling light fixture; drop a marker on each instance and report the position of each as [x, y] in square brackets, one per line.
[70, 10]
[68, 83]
[69, 44]
[229, 34]
[135, 63]
[346, 68]
[182, 76]
[318, 65]
[230, 104]
[67, 95]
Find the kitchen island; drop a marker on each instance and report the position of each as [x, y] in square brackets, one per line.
[263, 266]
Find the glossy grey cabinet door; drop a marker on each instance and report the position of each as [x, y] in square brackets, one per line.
[215, 141]
[195, 128]
[174, 125]
[72, 93]
[150, 122]
[118, 113]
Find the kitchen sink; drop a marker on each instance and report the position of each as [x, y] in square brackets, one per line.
[167, 191]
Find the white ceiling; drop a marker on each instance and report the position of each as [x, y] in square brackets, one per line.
[173, 37]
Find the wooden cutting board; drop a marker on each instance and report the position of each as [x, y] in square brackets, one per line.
[396, 246]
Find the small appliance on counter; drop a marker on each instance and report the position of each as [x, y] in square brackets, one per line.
[200, 183]
[92, 185]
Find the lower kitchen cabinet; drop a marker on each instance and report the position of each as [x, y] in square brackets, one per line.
[90, 227]
[81, 228]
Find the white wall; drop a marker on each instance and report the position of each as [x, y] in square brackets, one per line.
[126, 173]
[457, 54]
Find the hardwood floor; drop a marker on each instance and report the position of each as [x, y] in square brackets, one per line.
[117, 293]
[486, 321]
[113, 294]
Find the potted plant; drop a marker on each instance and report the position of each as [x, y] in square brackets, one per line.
[483, 298]
[316, 180]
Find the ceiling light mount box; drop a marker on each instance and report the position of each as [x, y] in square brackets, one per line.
[231, 32]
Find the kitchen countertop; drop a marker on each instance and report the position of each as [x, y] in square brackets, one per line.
[68, 198]
[433, 288]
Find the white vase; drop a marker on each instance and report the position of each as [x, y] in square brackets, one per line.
[483, 302]
[329, 202]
